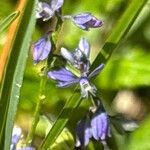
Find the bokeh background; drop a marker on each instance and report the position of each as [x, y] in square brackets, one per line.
[124, 83]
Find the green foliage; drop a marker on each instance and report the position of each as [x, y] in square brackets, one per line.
[10, 88]
[115, 37]
[128, 67]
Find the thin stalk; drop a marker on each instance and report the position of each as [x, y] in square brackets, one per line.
[36, 115]
[43, 81]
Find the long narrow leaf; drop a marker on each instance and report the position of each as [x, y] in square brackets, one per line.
[121, 28]
[13, 76]
[119, 31]
[8, 20]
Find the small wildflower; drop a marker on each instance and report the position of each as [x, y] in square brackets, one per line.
[100, 125]
[66, 78]
[47, 11]
[97, 127]
[16, 137]
[83, 132]
[85, 21]
[41, 48]
[80, 57]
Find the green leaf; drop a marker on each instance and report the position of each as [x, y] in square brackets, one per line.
[114, 39]
[13, 77]
[119, 31]
[126, 70]
[8, 20]
[62, 120]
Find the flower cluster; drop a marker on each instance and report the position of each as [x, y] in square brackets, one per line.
[77, 70]
[46, 11]
[16, 137]
[96, 126]
[79, 59]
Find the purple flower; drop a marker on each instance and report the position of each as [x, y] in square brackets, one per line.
[41, 48]
[66, 78]
[97, 127]
[80, 57]
[16, 136]
[83, 132]
[25, 148]
[47, 11]
[100, 125]
[85, 21]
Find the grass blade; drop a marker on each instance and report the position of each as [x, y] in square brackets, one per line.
[8, 20]
[119, 31]
[13, 76]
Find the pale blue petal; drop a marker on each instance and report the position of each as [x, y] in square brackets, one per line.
[84, 46]
[56, 4]
[41, 49]
[67, 55]
[62, 75]
[96, 70]
[67, 83]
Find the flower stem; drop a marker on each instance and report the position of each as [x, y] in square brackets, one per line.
[43, 81]
[36, 116]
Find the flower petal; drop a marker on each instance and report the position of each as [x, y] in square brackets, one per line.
[26, 148]
[83, 132]
[82, 18]
[100, 125]
[67, 83]
[86, 21]
[84, 46]
[96, 125]
[56, 4]
[16, 135]
[62, 75]
[41, 49]
[67, 55]
[96, 70]
[44, 11]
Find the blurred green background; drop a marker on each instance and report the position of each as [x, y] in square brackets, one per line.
[124, 83]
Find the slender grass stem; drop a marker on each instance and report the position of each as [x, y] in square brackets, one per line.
[41, 96]
[36, 115]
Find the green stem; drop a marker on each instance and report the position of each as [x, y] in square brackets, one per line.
[41, 96]
[36, 116]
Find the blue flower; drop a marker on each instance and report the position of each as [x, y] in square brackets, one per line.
[80, 57]
[85, 20]
[66, 78]
[41, 48]
[16, 136]
[83, 132]
[100, 125]
[97, 127]
[47, 11]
